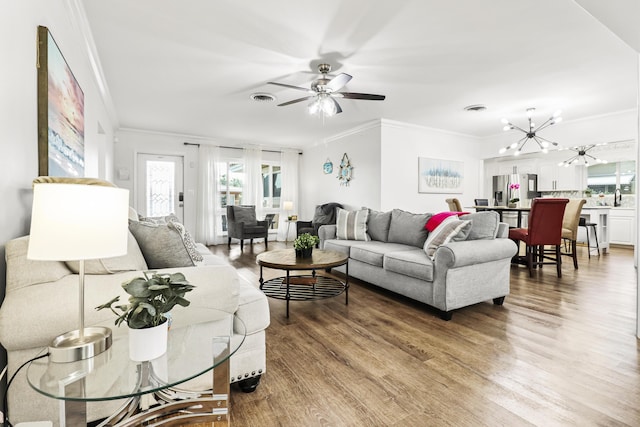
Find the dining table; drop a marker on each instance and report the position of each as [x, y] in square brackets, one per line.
[502, 209]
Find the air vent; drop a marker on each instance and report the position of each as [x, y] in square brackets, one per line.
[476, 107]
[262, 97]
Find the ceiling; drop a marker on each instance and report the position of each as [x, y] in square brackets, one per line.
[189, 67]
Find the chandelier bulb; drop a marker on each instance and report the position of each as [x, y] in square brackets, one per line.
[561, 164]
[557, 114]
[545, 150]
[505, 121]
[514, 145]
[530, 112]
[517, 153]
[503, 150]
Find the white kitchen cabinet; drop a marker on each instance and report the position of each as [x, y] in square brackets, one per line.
[622, 224]
[552, 177]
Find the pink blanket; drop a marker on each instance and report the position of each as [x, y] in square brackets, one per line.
[436, 219]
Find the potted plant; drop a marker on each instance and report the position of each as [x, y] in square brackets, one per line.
[304, 244]
[587, 192]
[151, 299]
[513, 202]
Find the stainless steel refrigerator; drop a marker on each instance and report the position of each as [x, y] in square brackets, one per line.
[503, 191]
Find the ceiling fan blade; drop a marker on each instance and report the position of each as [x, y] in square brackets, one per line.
[338, 82]
[338, 109]
[291, 87]
[295, 101]
[353, 95]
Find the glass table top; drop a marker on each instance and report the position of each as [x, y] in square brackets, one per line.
[199, 340]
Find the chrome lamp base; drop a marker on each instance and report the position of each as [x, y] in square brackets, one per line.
[73, 346]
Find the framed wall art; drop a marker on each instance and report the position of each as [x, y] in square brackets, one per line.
[440, 176]
[60, 112]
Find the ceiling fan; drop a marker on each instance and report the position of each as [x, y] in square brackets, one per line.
[324, 90]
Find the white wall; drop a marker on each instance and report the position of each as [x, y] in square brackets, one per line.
[402, 144]
[18, 109]
[362, 146]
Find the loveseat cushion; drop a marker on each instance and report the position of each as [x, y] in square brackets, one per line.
[484, 225]
[133, 260]
[373, 252]
[378, 224]
[408, 228]
[413, 263]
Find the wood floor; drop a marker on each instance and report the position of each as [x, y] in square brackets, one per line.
[559, 352]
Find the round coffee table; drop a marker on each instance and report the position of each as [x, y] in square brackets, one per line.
[304, 287]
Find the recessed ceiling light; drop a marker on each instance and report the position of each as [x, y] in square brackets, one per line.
[262, 97]
[475, 107]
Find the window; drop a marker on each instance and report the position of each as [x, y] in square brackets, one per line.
[605, 178]
[271, 186]
[230, 186]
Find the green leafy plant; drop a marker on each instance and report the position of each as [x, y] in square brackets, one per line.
[514, 200]
[587, 192]
[305, 241]
[150, 300]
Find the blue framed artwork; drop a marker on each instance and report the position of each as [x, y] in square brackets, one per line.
[440, 176]
[60, 112]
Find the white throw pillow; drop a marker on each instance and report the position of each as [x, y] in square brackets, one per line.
[352, 225]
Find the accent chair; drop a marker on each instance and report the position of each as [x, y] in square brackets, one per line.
[242, 224]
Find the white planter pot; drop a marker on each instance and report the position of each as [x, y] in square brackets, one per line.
[148, 343]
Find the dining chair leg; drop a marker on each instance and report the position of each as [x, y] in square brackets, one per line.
[574, 246]
[530, 259]
[558, 261]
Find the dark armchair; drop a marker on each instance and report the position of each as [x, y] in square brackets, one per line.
[324, 215]
[242, 224]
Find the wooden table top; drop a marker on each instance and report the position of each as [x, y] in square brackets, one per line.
[285, 259]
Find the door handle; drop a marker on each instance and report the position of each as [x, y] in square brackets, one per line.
[181, 196]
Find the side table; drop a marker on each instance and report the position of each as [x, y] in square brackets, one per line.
[200, 340]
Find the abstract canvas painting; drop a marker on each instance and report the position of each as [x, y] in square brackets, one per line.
[60, 113]
[439, 176]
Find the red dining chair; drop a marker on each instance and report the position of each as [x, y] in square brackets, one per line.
[545, 228]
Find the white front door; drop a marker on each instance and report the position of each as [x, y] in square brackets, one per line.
[160, 185]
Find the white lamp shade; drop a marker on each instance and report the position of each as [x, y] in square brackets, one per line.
[287, 206]
[71, 222]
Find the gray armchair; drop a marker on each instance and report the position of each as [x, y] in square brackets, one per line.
[242, 224]
[324, 215]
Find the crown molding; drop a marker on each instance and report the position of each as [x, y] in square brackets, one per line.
[78, 18]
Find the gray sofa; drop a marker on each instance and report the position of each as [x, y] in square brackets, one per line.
[41, 303]
[458, 274]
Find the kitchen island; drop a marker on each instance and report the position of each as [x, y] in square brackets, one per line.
[598, 215]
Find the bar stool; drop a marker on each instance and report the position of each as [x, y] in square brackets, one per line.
[583, 223]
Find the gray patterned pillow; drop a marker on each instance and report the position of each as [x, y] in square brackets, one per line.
[165, 245]
[352, 225]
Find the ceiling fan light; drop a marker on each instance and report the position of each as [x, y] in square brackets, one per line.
[327, 106]
[314, 107]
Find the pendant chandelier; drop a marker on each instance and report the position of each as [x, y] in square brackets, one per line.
[531, 133]
[582, 157]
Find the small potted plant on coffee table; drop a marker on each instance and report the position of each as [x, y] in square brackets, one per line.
[304, 244]
[151, 299]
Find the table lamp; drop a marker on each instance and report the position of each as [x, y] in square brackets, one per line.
[78, 222]
[288, 207]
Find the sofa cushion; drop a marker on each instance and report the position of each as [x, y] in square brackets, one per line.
[378, 225]
[373, 252]
[484, 225]
[352, 225]
[450, 229]
[165, 245]
[413, 263]
[408, 228]
[132, 261]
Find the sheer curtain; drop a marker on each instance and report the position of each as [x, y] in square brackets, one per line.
[289, 164]
[208, 200]
[252, 187]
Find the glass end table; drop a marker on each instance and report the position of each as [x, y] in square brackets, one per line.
[200, 340]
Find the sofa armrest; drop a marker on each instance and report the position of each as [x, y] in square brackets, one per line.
[326, 232]
[470, 252]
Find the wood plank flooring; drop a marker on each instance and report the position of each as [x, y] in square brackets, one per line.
[560, 352]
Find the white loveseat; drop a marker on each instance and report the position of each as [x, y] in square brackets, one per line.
[41, 303]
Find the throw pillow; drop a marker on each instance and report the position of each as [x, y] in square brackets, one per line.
[408, 228]
[162, 245]
[450, 229]
[484, 225]
[378, 225]
[352, 225]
